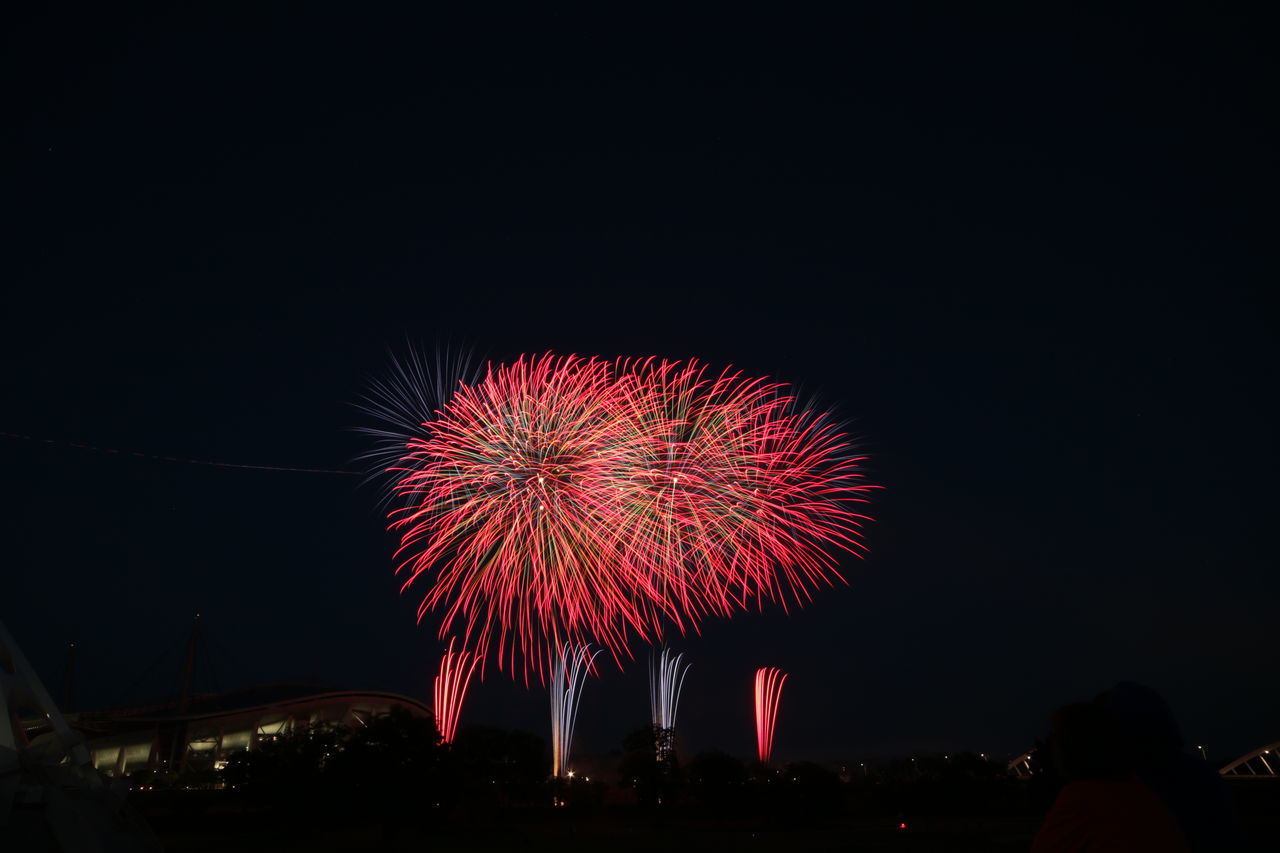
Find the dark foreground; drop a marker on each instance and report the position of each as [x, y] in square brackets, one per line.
[615, 834]
[618, 831]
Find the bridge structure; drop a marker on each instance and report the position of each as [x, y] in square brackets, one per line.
[52, 797]
[1021, 766]
[1261, 763]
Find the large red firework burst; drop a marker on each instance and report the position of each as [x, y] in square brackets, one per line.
[560, 499]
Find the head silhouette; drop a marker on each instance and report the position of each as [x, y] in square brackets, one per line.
[1143, 720]
[1086, 744]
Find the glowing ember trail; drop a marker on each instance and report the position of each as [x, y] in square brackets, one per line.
[451, 684]
[666, 678]
[563, 500]
[567, 670]
[769, 681]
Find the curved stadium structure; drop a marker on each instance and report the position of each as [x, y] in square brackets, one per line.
[201, 736]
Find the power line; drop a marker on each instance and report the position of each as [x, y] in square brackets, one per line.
[80, 445]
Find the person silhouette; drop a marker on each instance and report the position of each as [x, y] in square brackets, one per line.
[1104, 807]
[1191, 789]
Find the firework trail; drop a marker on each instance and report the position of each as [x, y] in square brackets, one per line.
[666, 678]
[402, 403]
[451, 684]
[769, 681]
[567, 671]
[563, 500]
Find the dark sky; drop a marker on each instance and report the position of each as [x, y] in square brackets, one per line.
[1026, 253]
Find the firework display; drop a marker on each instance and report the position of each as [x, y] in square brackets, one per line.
[769, 681]
[451, 684]
[567, 668]
[666, 678]
[560, 500]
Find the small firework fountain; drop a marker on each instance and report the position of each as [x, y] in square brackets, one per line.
[769, 681]
[451, 685]
[567, 669]
[666, 678]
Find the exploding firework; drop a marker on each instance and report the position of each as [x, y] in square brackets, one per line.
[562, 500]
[567, 670]
[666, 678]
[451, 684]
[512, 503]
[769, 681]
[744, 495]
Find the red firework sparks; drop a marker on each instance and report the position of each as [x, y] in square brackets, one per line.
[569, 500]
[451, 684]
[769, 681]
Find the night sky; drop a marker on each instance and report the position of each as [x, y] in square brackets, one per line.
[1025, 253]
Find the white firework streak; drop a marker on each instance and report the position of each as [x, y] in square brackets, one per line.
[567, 670]
[666, 679]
